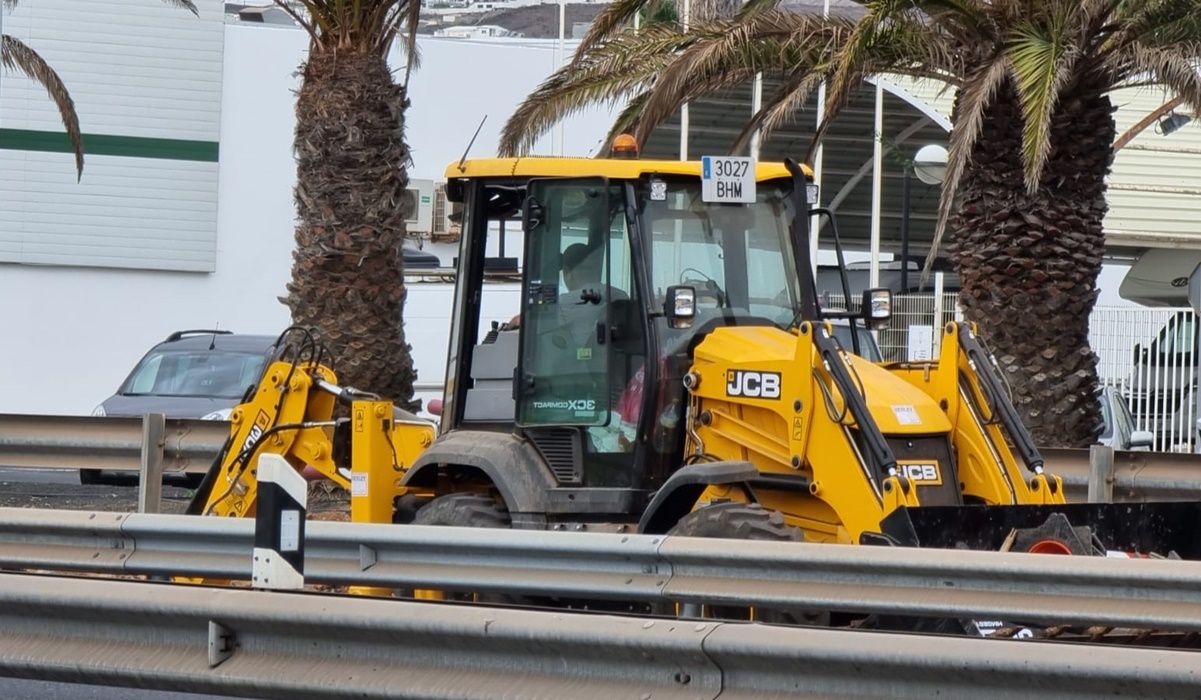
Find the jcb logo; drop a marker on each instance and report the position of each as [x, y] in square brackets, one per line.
[753, 385]
[256, 430]
[921, 473]
[568, 404]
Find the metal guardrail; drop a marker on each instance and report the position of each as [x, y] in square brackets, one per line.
[107, 443]
[1144, 594]
[1129, 477]
[85, 442]
[307, 647]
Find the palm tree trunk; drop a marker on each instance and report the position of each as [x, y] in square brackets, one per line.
[347, 272]
[1029, 263]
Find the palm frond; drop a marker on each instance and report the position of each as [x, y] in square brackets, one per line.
[627, 119]
[1154, 22]
[728, 53]
[184, 5]
[975, 96]
[622, 67]
[972, 13]
[370, 25]
[610, 21]
[1042, 59]
[902, 45]
[893, 38]
[780, 109]
[17, 56]
[304, 23]
[750, 8]
[406, 17]
[1176, 68]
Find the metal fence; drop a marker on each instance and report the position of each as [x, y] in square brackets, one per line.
[1150, 355]
[913, 331]
[305, 647]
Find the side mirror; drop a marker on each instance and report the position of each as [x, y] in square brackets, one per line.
[680, 306]
[877, 307]
[1142, 439]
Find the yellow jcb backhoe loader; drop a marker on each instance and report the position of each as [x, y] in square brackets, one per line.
[673, 369]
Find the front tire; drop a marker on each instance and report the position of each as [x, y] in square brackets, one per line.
[746, 521]
[737, 521]
[467, 510]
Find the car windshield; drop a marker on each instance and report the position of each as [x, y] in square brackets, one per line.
[198, 373]
[737, 257]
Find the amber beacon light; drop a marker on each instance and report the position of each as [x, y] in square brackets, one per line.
[625, 146]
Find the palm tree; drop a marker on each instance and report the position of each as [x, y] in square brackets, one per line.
[1030, 150]
[351, 160]
[18, 56]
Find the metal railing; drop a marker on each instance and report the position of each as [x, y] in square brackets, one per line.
[305, 647]
[1150, 355]
[129, 444]
[1126, 477]
[1143, 594]
[106, 443]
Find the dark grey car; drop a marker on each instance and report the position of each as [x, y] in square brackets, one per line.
[192, 374]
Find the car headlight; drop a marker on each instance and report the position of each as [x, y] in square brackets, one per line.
[223, 414]
[99, 411]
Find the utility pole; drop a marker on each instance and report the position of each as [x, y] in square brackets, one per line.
[1, 49]
[561, 57]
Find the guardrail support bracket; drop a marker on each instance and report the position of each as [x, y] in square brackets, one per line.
[223, 642]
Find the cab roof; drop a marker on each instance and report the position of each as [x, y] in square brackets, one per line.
[612, 168]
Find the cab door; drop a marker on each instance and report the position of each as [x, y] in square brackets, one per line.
[563, 365]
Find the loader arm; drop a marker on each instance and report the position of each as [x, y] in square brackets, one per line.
[291, 413]
[997, 461]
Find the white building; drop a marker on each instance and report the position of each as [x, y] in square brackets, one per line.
[184, 215]
[93, 273]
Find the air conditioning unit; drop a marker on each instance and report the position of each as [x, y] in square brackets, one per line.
[420, 195]
[446, 216]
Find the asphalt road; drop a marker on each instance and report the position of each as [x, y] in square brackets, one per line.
[60, 488]
[39, 476]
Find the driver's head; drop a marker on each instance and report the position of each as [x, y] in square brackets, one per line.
[582, 266]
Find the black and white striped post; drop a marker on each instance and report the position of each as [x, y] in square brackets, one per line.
[279, 525]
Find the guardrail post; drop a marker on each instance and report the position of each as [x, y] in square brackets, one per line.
[150, 477]
[1100, 474]
[279, 525]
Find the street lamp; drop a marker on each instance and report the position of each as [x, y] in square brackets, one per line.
[929, 164]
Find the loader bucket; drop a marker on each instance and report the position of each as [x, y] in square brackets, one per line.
[1135, 528]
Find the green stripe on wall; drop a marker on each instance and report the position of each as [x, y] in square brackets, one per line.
[108, 145]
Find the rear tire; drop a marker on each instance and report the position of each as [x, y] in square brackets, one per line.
[747, 521]
[464, 510]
